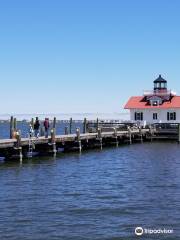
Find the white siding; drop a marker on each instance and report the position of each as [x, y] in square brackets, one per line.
[162, 115]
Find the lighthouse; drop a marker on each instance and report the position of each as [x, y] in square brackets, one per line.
[159, 105]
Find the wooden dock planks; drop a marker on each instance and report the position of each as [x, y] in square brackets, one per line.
[6, 143]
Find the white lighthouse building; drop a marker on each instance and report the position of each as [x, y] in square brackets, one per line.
[157, 106]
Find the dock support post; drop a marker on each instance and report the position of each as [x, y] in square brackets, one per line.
[141, 134]
[179, 133]
[99, 136]
[18, 137]
[66, 130]
[70, 126]
[97, 124]
[15, 124]
[78, 139]
[151, 132]
[115, 135]
[54, 149]
[85, 125]
[18, 146]
[11, 127]
[32, 123]
[54, 122]
[130, 135]
[53, 141]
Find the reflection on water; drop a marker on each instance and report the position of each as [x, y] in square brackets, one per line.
[95, 195]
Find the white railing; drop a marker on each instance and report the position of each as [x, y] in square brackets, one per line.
[147, 93]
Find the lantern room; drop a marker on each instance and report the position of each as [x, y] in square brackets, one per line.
[160, 84]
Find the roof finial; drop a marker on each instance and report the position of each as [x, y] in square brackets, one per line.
[160, 75]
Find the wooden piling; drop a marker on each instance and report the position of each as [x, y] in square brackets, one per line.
[15, 124]
[54, 122]
[77, 133]
[70, 126]
[99, 133]
[53, 141]
[99, 136]
[18, 138]
[130, 135]
[97, 124]
[53, 135]
[11, 127]
[115, 135]
[18, 146]
[151, 133]
[141, 134]
[78, 139]
[32, 123]
[179, 133]
[85, 125]
[66, 130]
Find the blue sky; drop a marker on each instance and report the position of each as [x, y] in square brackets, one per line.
[85, 56]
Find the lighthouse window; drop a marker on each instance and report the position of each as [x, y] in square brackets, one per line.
[155, 103]
[171, 116]
[138, 116]
[154, 116]
[163, 85]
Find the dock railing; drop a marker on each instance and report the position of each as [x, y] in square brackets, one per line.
[92, 126]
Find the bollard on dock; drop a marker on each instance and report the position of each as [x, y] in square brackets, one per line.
[53, 141]
[70, 126]
[99, 136]
[18, 145]
[54, 122]
[85, 125]
[78, 139]
[179, 133]
[11, 127]
[66, 130]
[130, 135]
[115, 136]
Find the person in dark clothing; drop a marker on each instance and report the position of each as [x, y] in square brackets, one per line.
[46, 127]
[36, 127]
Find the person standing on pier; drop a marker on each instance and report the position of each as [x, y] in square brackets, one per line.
[46, 127]
[36, 127]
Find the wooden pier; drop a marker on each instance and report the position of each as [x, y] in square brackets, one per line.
[95, 135]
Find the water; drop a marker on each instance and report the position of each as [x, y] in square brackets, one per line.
[100, 195]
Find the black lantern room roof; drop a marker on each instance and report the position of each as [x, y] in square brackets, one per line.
[160, 80]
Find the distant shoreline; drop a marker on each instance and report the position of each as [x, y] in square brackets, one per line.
[66, 116]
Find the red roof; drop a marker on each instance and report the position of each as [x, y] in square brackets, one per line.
[136, 102]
